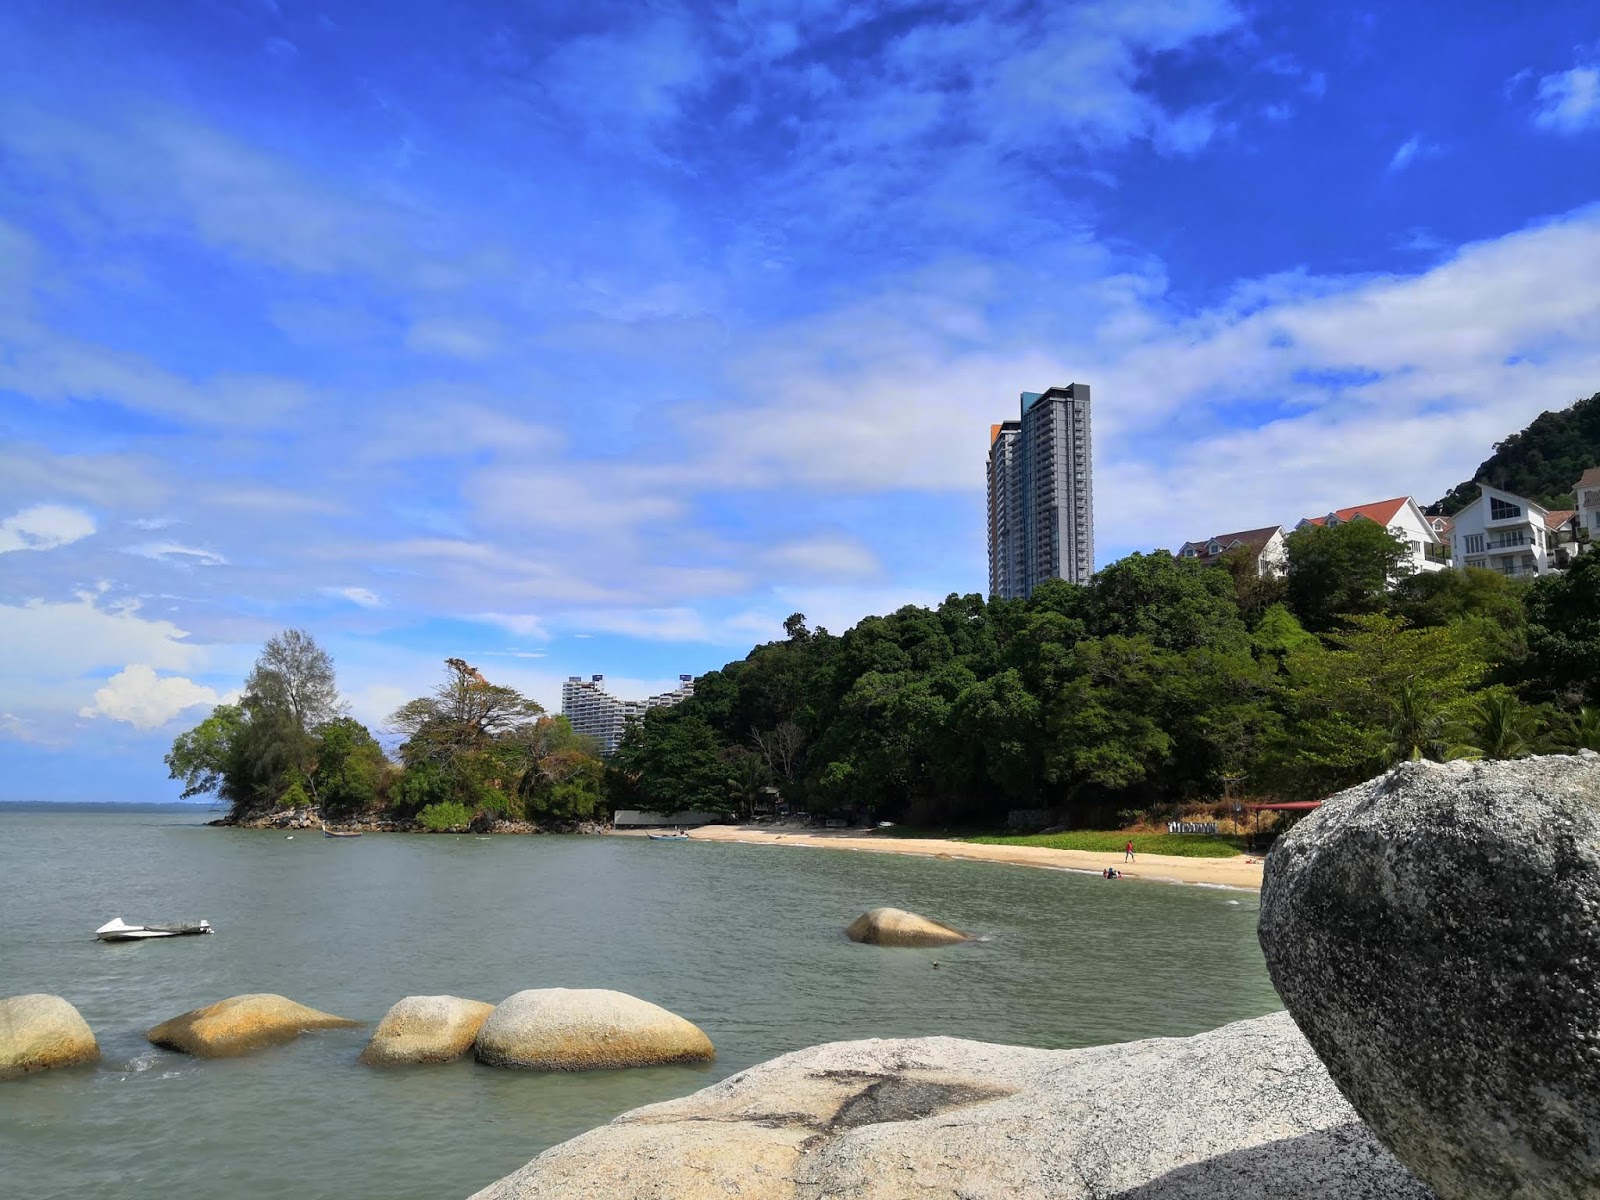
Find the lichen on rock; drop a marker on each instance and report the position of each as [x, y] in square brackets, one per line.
[583, 1029]
[39, 1031]
[896, 927]
[241, 1024]
[426, 1029]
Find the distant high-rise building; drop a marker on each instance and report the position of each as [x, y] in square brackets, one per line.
[596, 713]
[1005, 509]
[1041, 493]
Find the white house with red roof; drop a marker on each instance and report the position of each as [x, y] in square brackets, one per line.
[1507, 533]
[1428, 549]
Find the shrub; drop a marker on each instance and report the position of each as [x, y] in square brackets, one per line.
[446, 816]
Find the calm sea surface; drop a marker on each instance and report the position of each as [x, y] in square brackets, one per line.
[743, 940]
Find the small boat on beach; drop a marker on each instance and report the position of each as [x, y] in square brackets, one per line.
[118, 930]
[326, 832]
[668, 837]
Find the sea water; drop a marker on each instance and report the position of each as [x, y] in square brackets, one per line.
[745, 941]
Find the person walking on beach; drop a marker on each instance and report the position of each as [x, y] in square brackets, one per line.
[1127, 852]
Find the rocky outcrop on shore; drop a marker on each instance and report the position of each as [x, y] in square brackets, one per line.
[309, 818]
[426, 1029]
[39, 1032]
[1436, 934]
[585, 1029]
[896, 927]
[1244, 1112]
[241, 1024]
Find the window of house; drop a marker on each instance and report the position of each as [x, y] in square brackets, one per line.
[1473, 543]
[1499, 510]
[1475, 562]
[1416, 547]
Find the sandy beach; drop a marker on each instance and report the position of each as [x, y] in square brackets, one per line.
[1237, 872]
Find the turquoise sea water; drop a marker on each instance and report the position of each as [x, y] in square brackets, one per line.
[743, 940]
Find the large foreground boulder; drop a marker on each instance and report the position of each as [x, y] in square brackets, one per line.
[896, 927]
[41, 1031]
[426, 1029]
[585, 1029]
[240, 1024]
[1245, 1112]
[1436, 934]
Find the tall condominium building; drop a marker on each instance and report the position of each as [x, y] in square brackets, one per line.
[595, 712]
[1041, 493]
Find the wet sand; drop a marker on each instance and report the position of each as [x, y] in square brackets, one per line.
[1239, 872]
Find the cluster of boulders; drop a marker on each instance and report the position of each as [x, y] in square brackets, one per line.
[310, 818]
[544, 1029]
[1435, 935]
[547, 1029]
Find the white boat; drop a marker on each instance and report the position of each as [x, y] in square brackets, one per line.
[118, 930]
[668, 837]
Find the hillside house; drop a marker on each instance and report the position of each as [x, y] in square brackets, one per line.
[1510, 534]
[1264, 546]
[1427, 549]
[1587, 491]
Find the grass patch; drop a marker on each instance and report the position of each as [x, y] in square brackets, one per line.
[1103, 841]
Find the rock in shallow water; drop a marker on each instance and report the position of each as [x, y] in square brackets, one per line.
[240, 1024]
[1436, 934]
[1245, 1112]
[896, 927]
[585, 1029]
[426, 1029]
[40, 1031]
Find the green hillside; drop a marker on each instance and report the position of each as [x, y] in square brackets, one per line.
[1542, 462]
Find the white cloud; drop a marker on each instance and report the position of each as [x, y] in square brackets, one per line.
[1569, 102]
[356, 595]
[679, 624]
[145, 700]
[1410, 151]
[173, 552]
[455, 337]
[828, 556]
[65, 639]
[522, 624]
[44, 527]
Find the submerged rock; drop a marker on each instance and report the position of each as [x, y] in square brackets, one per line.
[1436, 934]
[584, 1029]
[39, 1031]
[896, 927]
[426, 1029]
[1245, 1112]
[240, 1024]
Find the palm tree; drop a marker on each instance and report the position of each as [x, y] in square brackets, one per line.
[1581, 732]
[1500, 726]
[1416, 730]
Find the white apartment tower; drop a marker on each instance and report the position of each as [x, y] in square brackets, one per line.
[596, 713]
[1041, 493]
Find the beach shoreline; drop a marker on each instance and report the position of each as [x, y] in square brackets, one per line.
[1240, 872]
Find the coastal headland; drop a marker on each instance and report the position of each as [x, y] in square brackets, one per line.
[1241, 872]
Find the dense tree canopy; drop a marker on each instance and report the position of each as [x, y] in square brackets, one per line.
[1160, 682]
[1542, 462]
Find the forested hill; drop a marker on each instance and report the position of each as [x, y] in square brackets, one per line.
[1542, 462]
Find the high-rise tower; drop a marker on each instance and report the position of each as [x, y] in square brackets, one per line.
[1041, 493]
[1005, 510]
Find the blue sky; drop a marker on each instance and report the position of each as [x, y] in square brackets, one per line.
[599, 338]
